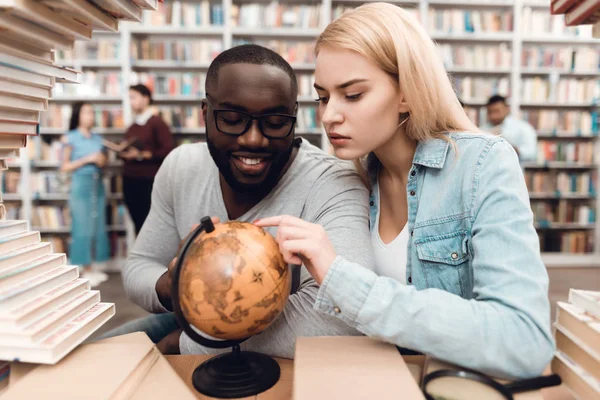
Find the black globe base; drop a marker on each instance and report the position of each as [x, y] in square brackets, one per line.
[236, 374]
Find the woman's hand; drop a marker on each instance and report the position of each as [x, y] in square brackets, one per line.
[98, 158]
[302, 242]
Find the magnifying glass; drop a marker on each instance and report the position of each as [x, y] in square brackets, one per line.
[463, 385]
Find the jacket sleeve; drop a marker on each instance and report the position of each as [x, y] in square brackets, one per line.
[504, 330]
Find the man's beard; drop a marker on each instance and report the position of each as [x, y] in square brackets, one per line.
[222, 160]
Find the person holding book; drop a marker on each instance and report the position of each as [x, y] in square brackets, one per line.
[459, 275]
[251, 166]
[83, 158]
[147, 142]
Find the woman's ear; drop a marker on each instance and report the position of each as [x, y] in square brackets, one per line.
[402, 105]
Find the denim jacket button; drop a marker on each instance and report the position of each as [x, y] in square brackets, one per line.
[412, 192]
[372, 203]
[413, 173]
[337, 310]
[410, 279]
[454, 255]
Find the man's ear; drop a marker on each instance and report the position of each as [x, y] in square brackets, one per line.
[204, 109]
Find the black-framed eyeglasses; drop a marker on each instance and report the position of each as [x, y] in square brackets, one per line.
[236, 123]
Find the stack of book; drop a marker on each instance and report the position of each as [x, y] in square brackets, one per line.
[577, 358]
[579, 12]
[46, 310]
[31, 32]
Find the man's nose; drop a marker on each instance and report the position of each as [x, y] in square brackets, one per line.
[253, 138]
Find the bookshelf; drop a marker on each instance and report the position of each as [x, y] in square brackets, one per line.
[503, 50]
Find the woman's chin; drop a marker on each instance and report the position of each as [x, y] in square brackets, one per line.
[345, 153]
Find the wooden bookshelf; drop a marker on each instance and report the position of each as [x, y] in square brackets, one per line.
[226, 31]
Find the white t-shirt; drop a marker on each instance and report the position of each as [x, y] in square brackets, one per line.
[390, 258]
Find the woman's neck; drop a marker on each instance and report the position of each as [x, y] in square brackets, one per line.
[396, 156]
[141, 112]
[85, 131]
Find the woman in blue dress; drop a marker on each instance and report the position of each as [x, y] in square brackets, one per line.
[83, 158]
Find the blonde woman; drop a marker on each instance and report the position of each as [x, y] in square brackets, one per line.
[459, 274]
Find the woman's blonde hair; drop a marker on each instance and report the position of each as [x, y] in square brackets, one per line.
[393, 39]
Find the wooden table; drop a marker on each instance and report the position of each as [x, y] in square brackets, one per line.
[185, 365]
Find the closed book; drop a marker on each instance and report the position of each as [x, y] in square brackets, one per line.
[11, 277]
[12, 142]
[24, 255]
[82, 10]
[18, 102]
[585, 12]
[18, 115]
[61, 342]
[562, 6]
[31, 288]
[10, 127]
[43, 16]
[578, 351]
[579, 323]
[34, 333]
[578, 380]
[586, 299]
[9, 228]
[15, 242]
[122, 367]
[33, 310]
[24, 90]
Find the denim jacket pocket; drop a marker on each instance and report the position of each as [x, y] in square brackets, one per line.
[443, 259]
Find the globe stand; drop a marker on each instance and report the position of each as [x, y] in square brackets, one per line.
[236, 374]
[230, 375]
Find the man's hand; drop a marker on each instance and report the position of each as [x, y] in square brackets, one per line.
[130, 154]
[165, 282]
[170, 343]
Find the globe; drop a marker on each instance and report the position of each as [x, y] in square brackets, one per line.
[233, 281]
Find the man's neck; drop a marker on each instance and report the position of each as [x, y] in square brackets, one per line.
[238, 204]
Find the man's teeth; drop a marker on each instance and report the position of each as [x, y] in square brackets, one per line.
[250, 161]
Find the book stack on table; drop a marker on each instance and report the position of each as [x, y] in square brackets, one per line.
[46, 310]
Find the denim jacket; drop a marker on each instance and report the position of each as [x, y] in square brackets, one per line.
[477, 290]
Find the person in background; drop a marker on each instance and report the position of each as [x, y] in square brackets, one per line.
[519, 133]
[83, 158]
[150, 141]
[458, 271]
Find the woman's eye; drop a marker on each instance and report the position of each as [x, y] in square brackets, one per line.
[322, 99]
[353, 96]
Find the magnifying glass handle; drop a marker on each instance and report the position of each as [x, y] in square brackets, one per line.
[534, 383]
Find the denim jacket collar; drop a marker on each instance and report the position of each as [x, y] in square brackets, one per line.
[431, 153]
